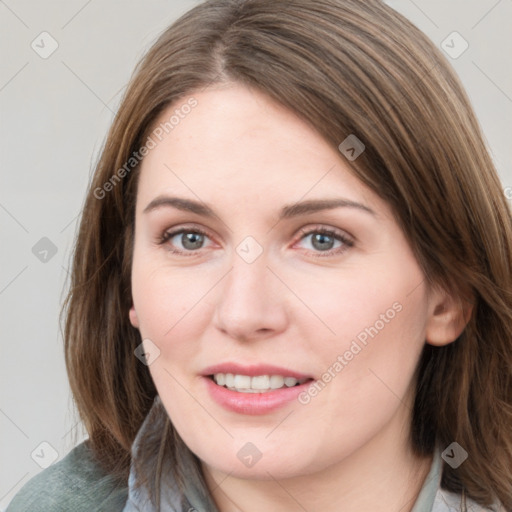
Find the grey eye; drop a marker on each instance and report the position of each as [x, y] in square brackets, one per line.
[322, 242]
[191, 240]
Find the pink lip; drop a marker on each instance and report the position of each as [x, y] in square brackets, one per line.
[253, 403]
[253, 370]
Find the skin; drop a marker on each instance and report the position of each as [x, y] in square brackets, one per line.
[348, 448]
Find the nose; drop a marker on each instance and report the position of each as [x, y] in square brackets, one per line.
[251, 302]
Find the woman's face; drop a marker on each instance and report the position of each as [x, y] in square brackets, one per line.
[241, 272]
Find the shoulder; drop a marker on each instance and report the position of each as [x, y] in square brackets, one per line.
[75, 483]
[446, 501]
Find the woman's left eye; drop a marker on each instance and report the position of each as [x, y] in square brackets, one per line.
[322, 240]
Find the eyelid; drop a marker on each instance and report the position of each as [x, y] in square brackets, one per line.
[323, 228]
[171, 232]
[346, 239]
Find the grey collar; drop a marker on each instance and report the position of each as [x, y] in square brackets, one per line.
[172, 499]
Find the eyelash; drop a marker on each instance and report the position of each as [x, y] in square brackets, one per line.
[347, 243]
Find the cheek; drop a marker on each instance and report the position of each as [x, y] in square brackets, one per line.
[374, 359]
[378, 318]
[349, 302]
[165, 299]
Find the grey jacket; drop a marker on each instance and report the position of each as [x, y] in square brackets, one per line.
[77, 484]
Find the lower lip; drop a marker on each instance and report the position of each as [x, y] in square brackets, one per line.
[253, 403]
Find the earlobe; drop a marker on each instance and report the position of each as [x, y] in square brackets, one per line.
[134, 320]
[448, 316]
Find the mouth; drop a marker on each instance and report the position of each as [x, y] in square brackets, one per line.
[255, 389]
[256, 383]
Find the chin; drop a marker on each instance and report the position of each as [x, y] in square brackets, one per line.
[273, 465]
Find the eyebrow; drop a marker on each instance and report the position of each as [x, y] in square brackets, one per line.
[287, 212]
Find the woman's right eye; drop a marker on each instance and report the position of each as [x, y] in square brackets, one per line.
[190, 240]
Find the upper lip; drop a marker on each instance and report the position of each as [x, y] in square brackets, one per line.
[253, 370]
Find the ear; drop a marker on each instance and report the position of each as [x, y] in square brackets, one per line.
[448, 316]
[134, 320]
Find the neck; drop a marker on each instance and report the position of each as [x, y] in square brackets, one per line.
[383, 476]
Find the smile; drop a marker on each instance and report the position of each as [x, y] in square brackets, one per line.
[255, 384]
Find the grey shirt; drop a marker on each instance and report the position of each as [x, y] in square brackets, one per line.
[76, 483]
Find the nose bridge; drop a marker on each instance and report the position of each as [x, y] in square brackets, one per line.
[248, 278]
[250, 302]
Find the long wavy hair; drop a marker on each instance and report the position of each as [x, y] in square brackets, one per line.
[346, 67]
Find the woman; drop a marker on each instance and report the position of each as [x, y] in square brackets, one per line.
[292, 282]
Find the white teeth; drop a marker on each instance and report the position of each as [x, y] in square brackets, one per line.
[257, 384]
[230, 380]
[276, 381]
[260, 382]
[290, 381]
[242, 382]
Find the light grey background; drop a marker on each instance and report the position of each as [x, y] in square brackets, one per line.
[55, 112]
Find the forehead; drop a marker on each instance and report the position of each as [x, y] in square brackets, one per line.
[237, 142]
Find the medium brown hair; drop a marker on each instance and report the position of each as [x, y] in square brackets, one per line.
[346, 67]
